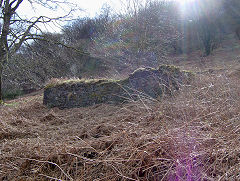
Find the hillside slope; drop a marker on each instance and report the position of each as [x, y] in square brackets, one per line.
[191, 136]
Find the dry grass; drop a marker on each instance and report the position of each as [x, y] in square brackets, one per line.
[193, 136]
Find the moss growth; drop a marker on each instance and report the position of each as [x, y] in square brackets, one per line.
[60, 82]
[176, 70]
[10, 104]
[169, 68]
[142, 70]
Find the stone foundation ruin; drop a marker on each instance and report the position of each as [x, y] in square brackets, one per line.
[144, 82]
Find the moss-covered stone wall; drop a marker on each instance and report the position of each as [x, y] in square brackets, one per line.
[145, 82]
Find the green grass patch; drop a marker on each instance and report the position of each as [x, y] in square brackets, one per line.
[11, 104]
[12, 94]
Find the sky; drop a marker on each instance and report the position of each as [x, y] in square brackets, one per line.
[89, 8]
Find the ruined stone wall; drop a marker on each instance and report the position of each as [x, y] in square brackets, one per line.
[145, 82]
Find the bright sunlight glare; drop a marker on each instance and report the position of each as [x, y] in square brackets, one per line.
[184, 5]
[183, 2]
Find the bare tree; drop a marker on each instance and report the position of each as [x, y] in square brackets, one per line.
[144, 33]
[17, 30]
[232, 8]
[204, 23]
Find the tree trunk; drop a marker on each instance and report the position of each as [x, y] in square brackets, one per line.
[207, 42]
[238, 32]
[1, 95]
[207, 48]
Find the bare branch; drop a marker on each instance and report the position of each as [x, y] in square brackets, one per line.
[18, 45]
[16, 6]
[1, 3]
[16, 30]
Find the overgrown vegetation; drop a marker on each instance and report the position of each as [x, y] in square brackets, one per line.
[17, 29]
[112, 44]
[192, 135]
